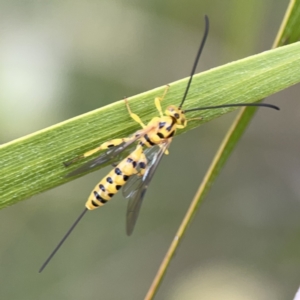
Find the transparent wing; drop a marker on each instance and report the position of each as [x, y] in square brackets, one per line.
[139, 187]
[132, 184]
[112, 154]
[134, 181]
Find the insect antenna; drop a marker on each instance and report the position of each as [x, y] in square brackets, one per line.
[62, 241]
[234, 105]
[197, 59]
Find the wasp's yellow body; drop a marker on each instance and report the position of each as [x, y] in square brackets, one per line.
[116, 178]
[137, 169]
[158, 131]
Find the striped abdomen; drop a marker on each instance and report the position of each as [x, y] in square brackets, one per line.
[116, 178]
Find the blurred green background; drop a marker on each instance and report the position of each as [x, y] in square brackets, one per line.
[59, 59]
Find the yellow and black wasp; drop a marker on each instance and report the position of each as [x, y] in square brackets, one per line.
[136, 170]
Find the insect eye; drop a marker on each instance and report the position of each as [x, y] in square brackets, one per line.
[176, 116]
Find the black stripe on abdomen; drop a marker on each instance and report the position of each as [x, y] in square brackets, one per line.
[95, 203]
[99, 198]
[148, 140]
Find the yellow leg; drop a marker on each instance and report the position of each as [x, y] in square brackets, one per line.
[180, 126]
[186, 121]
[105, 145]
[157, 100]
[135, 117]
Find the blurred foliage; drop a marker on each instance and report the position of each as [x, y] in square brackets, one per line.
[61, 59]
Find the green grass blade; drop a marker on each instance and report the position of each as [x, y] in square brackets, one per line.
[33, 164]
[288, 33]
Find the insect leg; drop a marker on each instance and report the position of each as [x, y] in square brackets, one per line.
[135, 117]
[184, 125]
[105, 145]
[157, 100]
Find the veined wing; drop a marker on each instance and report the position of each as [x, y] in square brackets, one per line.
[112, 154]
[135, 181]
[139, 187]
